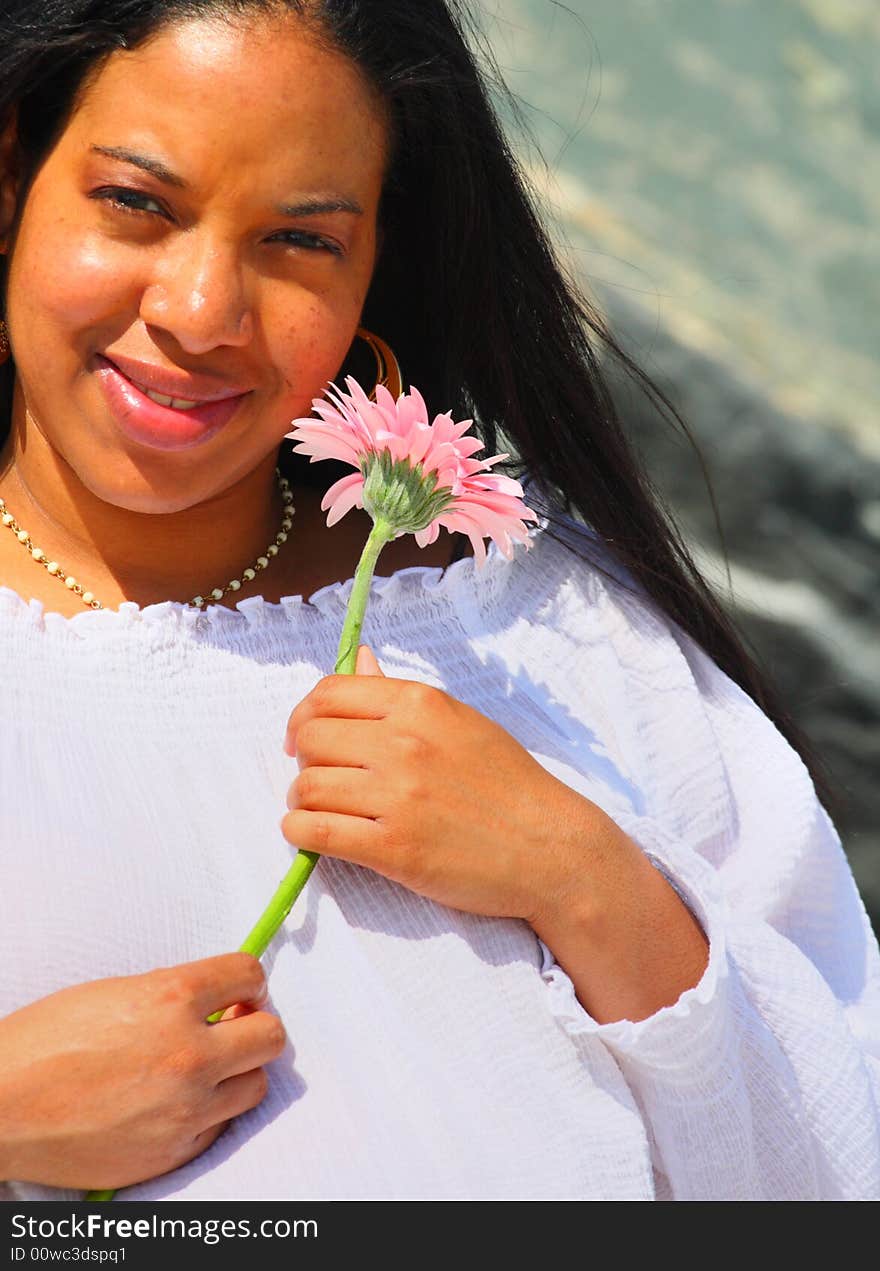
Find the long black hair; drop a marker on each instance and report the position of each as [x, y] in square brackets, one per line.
[468, 290]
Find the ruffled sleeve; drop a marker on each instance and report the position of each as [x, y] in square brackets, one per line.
[762, 1081]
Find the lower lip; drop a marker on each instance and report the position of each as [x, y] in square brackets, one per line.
[149, 424]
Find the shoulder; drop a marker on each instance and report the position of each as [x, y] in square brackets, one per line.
[566, 618]
[585, 627]
[569, 580]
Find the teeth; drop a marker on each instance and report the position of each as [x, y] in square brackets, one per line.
[176, 403]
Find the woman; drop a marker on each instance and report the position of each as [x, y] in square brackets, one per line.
[582, 928]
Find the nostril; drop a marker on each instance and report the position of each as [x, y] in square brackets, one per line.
[198, 318]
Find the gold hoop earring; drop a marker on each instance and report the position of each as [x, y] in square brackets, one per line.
[5, 348]
[387, 367]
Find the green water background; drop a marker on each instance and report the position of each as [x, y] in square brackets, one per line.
[721, 160]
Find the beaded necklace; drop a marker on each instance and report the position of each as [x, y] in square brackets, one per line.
[198, 602]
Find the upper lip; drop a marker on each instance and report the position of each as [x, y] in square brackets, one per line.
[174, 383]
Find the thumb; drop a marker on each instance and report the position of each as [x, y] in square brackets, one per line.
[366, 664]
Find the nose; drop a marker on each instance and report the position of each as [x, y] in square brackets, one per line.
[198, 295]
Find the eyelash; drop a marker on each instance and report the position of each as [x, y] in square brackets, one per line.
[317, 243]
[115, 196]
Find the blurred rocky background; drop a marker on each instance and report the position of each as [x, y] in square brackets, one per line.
[712, 172]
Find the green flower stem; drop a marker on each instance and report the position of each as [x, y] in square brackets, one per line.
[346, 654]
[267, 925]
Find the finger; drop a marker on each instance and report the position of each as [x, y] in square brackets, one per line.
[245, 1043]
[238, 1094]
[344, 696]
[366, 663]
[218, 982]
[363, 697]
[200, 1143]
[339, 743]
[350, 838]
[352, 791]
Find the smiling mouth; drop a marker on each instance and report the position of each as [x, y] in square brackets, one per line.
[160, 420]
[176, 403]
[146, 380]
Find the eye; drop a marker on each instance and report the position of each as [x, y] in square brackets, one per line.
[130, 201]
[311, 242]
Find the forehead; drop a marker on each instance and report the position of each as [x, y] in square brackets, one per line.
[259, 89]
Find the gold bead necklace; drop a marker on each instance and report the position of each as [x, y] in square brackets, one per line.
[198, 602]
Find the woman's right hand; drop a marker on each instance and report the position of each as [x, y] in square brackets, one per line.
[111, 1082]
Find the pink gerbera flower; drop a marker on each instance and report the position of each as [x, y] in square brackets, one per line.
[413, 475]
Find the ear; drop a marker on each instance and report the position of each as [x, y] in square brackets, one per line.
[10, 178]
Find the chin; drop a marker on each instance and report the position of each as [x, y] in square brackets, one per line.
[140, 494]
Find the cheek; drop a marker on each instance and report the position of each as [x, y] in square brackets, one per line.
[60, 280]
[311, 343]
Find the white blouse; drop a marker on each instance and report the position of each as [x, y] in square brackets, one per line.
[433, 1053]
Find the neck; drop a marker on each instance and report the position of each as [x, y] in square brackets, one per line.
[119, 554]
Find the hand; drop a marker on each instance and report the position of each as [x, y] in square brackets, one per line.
[406, 780]
[115, 1081]
[402, 778]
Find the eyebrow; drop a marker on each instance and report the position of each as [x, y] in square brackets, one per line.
[315, 206]
[143, 161]
[311, 206]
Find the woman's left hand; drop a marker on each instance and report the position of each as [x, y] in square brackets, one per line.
[402, 778]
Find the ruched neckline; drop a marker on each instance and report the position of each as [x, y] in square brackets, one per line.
[391, 588]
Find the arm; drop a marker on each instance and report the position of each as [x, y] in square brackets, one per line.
[761, 1080]
[620, 930]
[728, 1057]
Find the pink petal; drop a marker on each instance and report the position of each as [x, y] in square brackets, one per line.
[342, 496]
[349, 427]
[466, 446]
[329, 448]
[428, 535]
[419, 443]
[385, 401]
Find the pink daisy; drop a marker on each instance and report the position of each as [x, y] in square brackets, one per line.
[413, 474]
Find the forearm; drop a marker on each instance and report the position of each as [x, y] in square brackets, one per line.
[615, 925]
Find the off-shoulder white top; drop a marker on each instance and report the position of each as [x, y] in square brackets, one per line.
[433, 1053]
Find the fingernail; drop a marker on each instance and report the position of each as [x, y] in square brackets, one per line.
[366, 663]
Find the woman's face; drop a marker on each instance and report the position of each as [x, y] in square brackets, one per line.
[205, 227]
